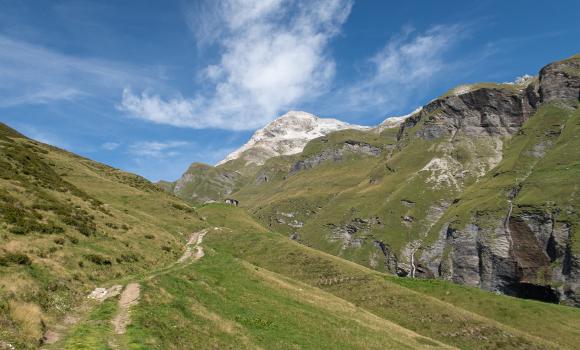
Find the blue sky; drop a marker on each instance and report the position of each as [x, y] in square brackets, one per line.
[152, 86]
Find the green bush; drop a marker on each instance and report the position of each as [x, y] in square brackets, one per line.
[98, 259]
[15, 259]
[128, 258]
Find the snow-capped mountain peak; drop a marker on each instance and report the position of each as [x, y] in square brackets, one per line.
[286, 135]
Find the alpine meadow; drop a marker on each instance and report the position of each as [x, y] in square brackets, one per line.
[331, 219]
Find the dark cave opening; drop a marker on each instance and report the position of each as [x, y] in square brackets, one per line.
[533, 291]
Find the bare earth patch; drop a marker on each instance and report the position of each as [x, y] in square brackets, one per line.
[102, 294]
[194, 243]
[129, 297]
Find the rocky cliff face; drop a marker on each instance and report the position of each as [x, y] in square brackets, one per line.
[493, 109]
[336, 154]
[520, 245]
[561, 81]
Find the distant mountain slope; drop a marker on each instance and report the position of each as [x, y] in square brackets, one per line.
[469, 188]
[285, 136]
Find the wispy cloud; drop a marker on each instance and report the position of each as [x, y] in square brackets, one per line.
[273, 55]
[408, 62]
[156, 149]
[110, 146]
[32, 74]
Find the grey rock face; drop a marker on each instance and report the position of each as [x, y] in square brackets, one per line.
[561, 81]
[464, 256]
[491, 111]
[525, 256]
[337, 154]
[390, 258]
[354, 233]
[262, 177]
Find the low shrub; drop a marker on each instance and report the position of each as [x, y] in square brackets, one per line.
[128, 258]
[15, 259]
[98, 259]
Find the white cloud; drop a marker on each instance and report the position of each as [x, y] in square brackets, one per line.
[110, 146]
[404, 65]
[32, 74]
[155, 149]
[273, 56]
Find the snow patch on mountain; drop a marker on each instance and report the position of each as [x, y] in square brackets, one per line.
[396, 121]
[286, 135]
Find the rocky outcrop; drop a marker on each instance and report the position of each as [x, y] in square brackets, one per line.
[336, 154]
[262, 177]
[499, 110]
[561, 81]
[527, 255]
[354, 233]
[389, 257]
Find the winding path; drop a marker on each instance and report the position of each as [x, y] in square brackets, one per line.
[130, 295]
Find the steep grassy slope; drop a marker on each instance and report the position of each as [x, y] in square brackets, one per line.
[226, 303]
[66, 225]
[70, 225]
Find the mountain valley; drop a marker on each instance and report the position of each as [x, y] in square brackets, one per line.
[455, 226]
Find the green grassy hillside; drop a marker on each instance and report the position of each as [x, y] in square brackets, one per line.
[67, 224]
[479, 187]
[456, 315]
[257, 289]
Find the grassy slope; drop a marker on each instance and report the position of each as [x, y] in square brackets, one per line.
[541, 161]
[254, 288]
[222, 302]
[66, 225]
[257, 289]
[457, 315]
